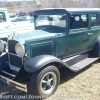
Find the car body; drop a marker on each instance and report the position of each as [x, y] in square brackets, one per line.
[69, 38]
[4, 18]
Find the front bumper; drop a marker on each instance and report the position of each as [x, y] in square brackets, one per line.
[22, 87]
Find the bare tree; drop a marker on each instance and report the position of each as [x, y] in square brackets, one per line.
[51, 3]
[26, 6]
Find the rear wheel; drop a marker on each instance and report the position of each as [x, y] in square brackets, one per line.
[44, 82]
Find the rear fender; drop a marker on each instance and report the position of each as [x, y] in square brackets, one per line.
[95, 52]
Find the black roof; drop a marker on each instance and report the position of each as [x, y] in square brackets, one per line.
[63, 10]
[74, 9]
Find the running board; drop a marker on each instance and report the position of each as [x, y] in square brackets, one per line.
[82, 64]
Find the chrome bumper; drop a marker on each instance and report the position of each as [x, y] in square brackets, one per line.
[15, 84]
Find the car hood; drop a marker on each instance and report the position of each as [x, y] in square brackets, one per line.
[36, 35]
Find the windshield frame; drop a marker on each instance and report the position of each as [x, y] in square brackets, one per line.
[50, 12]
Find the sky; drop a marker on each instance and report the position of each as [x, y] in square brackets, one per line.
[10, 0]
[14, 0]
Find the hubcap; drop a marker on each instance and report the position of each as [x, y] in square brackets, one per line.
[48, 82]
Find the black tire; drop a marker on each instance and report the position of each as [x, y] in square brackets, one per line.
[44, 82]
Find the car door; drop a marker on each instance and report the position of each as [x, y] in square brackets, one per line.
[95, 28]
[77, 37]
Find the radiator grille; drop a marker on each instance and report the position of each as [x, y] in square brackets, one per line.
[13, 58]
[11, 46]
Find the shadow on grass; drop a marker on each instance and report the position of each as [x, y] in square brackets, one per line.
[65, 75]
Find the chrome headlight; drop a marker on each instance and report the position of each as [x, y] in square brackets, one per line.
[20, 50]
[1, 46]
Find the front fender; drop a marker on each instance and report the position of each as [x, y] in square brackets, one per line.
[38, 62]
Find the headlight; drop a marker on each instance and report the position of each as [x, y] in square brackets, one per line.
[20, 50]
[1, 46]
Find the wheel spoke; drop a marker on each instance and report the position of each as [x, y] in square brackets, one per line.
[43, 81]
[50, 80]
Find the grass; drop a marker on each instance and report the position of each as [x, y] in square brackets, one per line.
[84, 85]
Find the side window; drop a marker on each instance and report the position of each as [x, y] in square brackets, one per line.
[2, 17]
[95, 19]
[78, 21]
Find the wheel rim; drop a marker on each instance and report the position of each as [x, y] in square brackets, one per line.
[48, 82]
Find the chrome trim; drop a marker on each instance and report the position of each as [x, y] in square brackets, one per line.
[14, 68]
[14, 55]
[3, 54]
[8, 73]
[76, 54]
[90, 33]
[67, 59]
[16, 37]
[13, 83]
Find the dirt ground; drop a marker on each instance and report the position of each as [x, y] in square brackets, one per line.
[84, 85]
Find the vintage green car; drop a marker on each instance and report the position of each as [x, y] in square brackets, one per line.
[68, 37]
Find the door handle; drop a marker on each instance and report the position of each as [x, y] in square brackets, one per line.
[90, 33]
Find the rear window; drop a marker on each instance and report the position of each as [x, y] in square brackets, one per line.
[78, 21]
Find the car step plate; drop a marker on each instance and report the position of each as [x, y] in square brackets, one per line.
[78, 66]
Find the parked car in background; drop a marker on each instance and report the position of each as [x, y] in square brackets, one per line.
[7, 26]
[69, 38]
[22, 13]
[27, 17]
[12, 16]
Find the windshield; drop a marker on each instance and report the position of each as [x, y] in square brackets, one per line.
[54, 20]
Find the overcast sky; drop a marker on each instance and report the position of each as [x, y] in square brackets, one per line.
[14, 0]
[10, 0]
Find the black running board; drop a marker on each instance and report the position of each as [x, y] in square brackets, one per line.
[82, 64]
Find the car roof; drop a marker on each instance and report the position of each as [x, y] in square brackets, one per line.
[70, 10]
[82, 9]
[64, 10]
[74, 9]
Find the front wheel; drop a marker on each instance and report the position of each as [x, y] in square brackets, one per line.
[44, 82]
